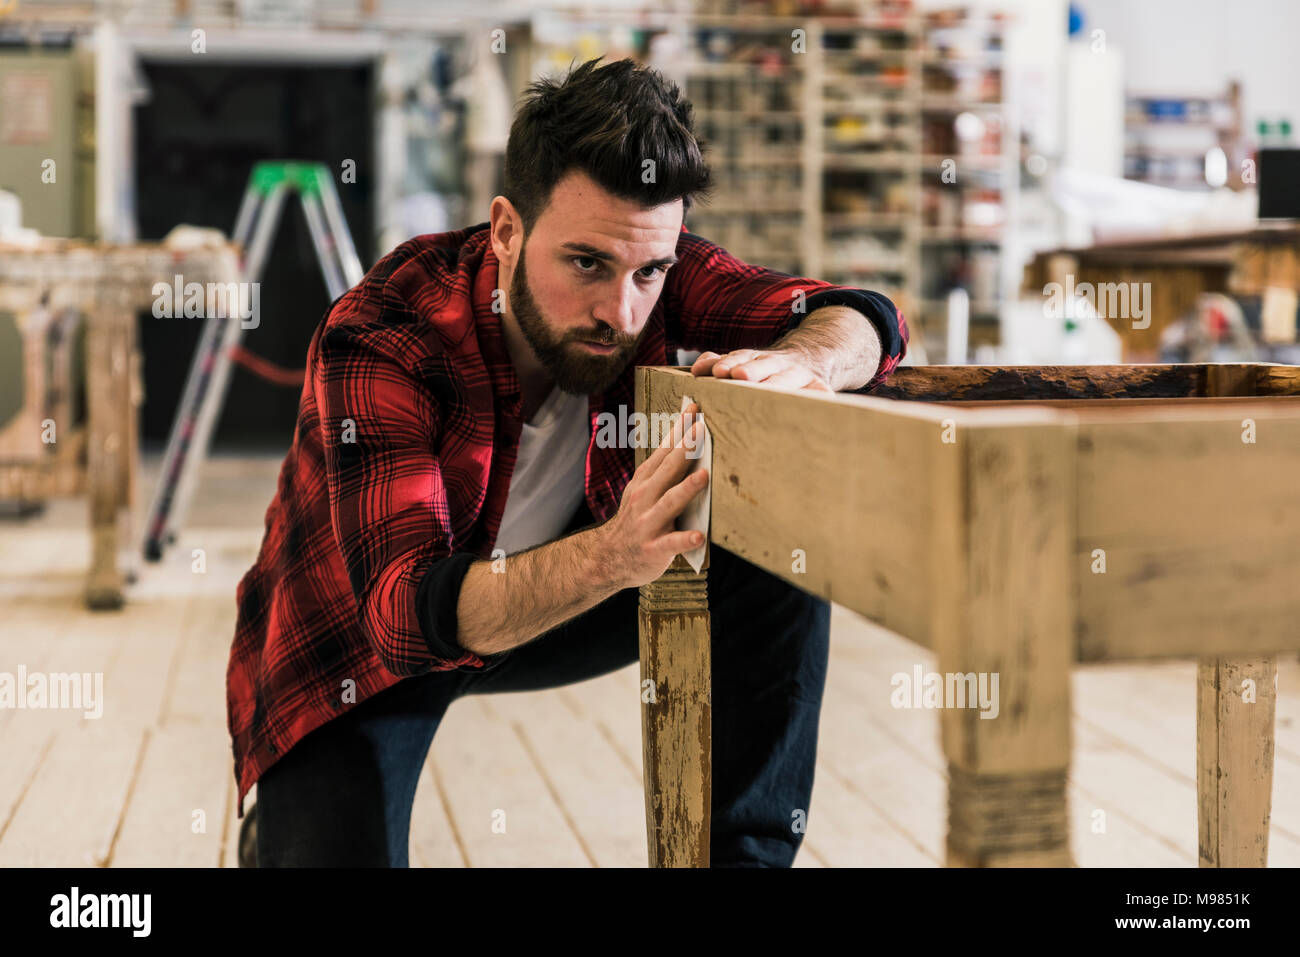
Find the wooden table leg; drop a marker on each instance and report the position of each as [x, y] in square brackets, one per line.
[676, 715]
[1004, 592]
[131, 455]
[108, 366]
[1236, 700]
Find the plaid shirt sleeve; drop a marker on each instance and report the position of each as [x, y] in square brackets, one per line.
[388, 502]
[714, 301]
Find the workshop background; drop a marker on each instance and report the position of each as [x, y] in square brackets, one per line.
[945, 154]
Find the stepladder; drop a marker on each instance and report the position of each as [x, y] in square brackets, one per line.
[270, 185]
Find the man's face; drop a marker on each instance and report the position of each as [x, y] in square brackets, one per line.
[595, 268]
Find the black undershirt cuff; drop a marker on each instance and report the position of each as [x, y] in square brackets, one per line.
[436, 602]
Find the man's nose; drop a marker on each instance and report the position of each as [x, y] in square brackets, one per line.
[616, 310]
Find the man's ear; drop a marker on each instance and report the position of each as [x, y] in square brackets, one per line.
[507, 229]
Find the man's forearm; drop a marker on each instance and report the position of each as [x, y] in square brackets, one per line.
[837, 342]
[537, 590]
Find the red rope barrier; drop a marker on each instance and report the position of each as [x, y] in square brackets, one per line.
[264, 369]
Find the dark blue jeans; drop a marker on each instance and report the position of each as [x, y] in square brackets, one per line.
[342, 796]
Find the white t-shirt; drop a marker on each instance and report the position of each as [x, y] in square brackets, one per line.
[547, 484]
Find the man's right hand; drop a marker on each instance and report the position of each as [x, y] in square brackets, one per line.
[640, 539]
[540, 588]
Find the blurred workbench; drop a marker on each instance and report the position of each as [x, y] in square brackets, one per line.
[1264, 262]
[72, 305]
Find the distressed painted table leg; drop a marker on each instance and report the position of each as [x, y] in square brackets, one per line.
[1002, 579]
[108, 347]
[1236, 700]
[676, 715]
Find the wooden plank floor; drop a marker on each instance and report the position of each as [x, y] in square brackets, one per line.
[544, 778]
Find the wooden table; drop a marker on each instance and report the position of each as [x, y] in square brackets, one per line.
[108, 284]
[1014, 520]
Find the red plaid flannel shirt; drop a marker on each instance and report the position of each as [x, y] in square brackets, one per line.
[407, 432]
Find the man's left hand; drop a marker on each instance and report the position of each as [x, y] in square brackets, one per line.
[771, 367]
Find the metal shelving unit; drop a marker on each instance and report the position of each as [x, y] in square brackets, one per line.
[749, 84]
[968, 136]
[1166, 137]
[869, 159]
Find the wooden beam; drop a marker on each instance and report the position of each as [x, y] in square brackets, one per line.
[108, 344]
[960, 383]
[1187, 542]
[1078, 383]
[776, 453]
[1236, 701]
[1191, 565]
[1277, 380]
[676, 691]
[677, 716]
[1185, 403]
[1003, 599]
[1231, 378]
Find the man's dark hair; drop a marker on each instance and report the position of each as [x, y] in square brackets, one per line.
[607, 122]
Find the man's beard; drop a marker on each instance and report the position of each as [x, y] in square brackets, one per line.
[574, 370]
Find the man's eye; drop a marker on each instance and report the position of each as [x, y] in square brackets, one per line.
[589, 266]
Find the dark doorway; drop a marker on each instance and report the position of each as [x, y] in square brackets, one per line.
[196, 141]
